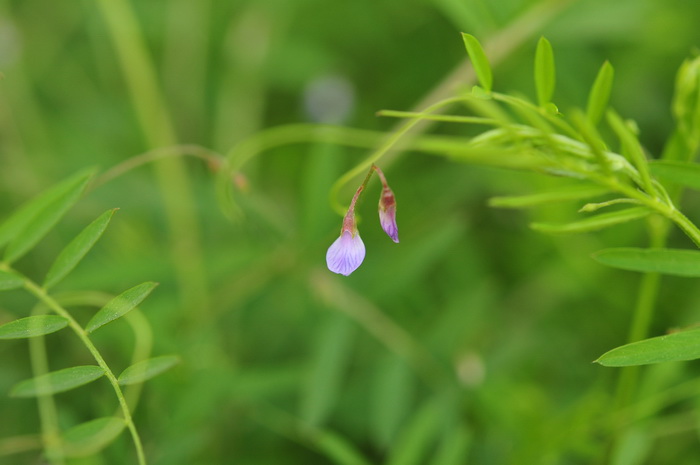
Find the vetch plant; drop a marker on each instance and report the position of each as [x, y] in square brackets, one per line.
[346, 254]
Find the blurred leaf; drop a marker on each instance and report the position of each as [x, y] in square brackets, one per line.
[600, 93]
[545, 74]
[57, 381]
[147, 369]
[10, 280]
[533, 200]
[684, 174]
[120, 305]
[675, 347]
[686, 103]
[77, 249]
[418, 435]
[338, 449]
[18, 221]
[454, 447]
[330, 365]
[32, 326]
[479, 61]
[593, 223]
[634, 446]
[632, 148]
[393, 389]
[91, 437]
[666, 261]
[34, 221]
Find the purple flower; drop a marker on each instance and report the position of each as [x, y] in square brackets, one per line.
[387, 213]
[346, 253]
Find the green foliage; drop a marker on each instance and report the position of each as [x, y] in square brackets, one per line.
[593, 223]
[147, 369]
[545, 75]
[32, 326]
[675, 347]
[664, 261]
[92, 436]
[120, 305]
[479, 61]
[600, 93]
[57, 381]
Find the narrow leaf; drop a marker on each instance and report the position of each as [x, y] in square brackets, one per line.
[418, 436]
[594, 223]
[545, 76]
[91, 437]
[57, 381]
[533, 200]
[120, 305]
[681, 173]
[147, 369]
[633, 149]
[600, 93]
[337, 448]
[391, 398]
[18, 221]
[77, 249]
[42, 216]
[10, 280]
[32, 326]
[479, 61]
[666, 261]
[675, 347]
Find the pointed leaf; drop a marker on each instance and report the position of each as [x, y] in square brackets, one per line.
[77, 249]
[600, 93]
[147, 369]
[91, 437]
[42, 216]
[32, 326]
[666, 261]
[479, 61]
[675, 347]
[120, 305]
[10, 280]
[18, 221]
[545, 77]
[681, 173]
[632, 148]
[593, 223]
[533, 200]
[57, 381]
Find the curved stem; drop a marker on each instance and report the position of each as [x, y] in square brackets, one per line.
[50, 302]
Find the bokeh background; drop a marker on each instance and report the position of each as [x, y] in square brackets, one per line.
[469, 342]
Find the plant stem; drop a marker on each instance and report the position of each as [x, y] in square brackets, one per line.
[41, 294]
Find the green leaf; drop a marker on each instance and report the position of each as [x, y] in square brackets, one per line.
[77, 249]
[454, 447]
[337, 448]
[545, 77]
[418, 435]
[600, 93]
[666, 261]
[57, 381]
[32, 326]
[675, 347]
[594, 223]
[147, 369]
[10, 280]
[684, 174]
[18, 221]
[632, 148]
[34, 221]
[91, 437]
[391, 398]
[120, 305]
[479, 61]
[533, 200]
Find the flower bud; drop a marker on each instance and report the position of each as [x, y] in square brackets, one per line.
[387, 213]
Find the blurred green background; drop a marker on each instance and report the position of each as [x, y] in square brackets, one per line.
[469, 342]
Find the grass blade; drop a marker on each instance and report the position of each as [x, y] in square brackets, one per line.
[57, 381]
[10, 280]
[479, 61]
[545, 75]
[418, 435]
[91, 437]
[665, 261]
[594, 223]
[147, 369]
[600, 93]
[120, 305]
[40, 216]
[77, 249]
[675, 347]
[32, 326]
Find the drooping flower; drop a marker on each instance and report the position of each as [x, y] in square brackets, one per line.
[346, 254]
[387, 213]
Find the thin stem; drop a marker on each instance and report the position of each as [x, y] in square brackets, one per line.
[41, 294]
